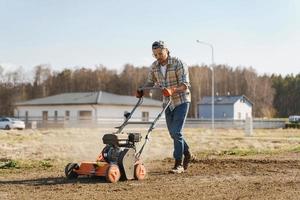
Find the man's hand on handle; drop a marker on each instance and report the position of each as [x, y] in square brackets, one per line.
[165, 91]
[139, 93]
[169, 91]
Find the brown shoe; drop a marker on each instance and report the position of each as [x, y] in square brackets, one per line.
[188, 158]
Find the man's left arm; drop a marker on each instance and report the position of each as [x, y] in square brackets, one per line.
[182, 74]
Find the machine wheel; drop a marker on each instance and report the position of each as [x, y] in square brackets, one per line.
[113, 174]
[7, 127]
[69, 170]
[139, 171]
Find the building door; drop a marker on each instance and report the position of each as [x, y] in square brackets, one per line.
[55, 115]
[45, 115]
[145, 116]
[67, 115]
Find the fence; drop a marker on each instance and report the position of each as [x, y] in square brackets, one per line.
[237, 124]
[190, 123]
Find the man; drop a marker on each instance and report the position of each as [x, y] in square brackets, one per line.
[172, 75]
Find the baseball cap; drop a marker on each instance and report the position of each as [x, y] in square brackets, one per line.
[159, 44]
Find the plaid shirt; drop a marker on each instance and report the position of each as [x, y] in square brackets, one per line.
[176, 74]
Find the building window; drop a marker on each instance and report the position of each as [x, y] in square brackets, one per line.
[85, 114]
[55, 115]
[45, 115]
[145, 116]
[67, 115]
[239, 115]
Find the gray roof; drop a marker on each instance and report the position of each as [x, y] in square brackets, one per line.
[80, 98]
[207, 100]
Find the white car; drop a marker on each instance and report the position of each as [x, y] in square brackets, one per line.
[294, 119]
[11, 123]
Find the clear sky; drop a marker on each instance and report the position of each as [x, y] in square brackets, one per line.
[263, 34]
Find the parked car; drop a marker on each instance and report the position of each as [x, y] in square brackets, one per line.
[294, 118]
[11, 123]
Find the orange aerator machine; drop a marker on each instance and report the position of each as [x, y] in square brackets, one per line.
[119, 159]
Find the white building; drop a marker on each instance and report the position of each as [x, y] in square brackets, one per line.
[97, 106]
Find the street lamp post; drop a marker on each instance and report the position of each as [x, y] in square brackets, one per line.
[212, 84]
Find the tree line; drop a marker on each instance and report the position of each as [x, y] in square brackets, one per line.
[272, 96]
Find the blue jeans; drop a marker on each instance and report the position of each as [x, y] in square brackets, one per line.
[175, 122]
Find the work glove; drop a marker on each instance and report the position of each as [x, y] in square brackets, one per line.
[139, 93]
[169, 91]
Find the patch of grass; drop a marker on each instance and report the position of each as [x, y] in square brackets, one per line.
[46, 163]
[8, 164]
[295, 149]
[27, 164]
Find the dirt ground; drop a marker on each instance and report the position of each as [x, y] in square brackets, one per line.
[226, 172]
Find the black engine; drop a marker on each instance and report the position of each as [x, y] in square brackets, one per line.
[120, 149]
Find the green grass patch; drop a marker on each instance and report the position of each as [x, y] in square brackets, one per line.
[27, 164]
[295, 149]
[7, 164]
[46, 163]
